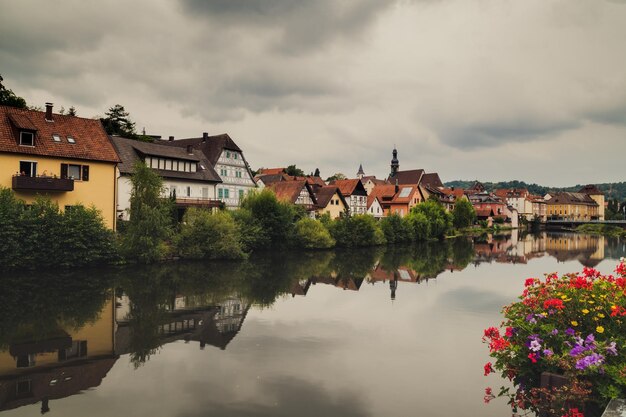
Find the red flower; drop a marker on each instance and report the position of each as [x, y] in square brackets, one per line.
[529, 282]
[553, 303]
[573, 412]
[509, 332]
[488, 369]
[491, 333]
[533, 357]
[498, 344]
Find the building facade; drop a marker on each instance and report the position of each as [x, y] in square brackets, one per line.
[69, 159]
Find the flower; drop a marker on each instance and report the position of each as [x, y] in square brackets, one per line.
[594, 359]
[600, 329]
[574, 323]
[488, 368]
[611, 349]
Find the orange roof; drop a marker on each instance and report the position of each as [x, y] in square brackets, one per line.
[405, 194]
[271, 171]
[289, 190]
[457, 192]
[384, 193]
[349, 187]
[90, 140]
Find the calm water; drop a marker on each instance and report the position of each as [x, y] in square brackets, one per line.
[381, 332]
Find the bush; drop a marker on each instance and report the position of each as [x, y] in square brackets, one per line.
[209, 236]
[420, 226]
[251, 233]
[276, 218]
[42, 236]
[396, 229]
[359, 230]
[311, 234]
[440, 221]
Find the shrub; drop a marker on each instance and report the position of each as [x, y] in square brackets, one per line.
[440, 221]
[420, 226]
[396, 229]
[311, 234]
[210, 236]
[251, 233]
[359, 230]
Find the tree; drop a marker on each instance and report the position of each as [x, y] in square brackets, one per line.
[317, 172]
[439, 221]
[72, 111]
[463, 214]
[9, 98]
[150, 217]
[207, 235]
[118, 122]
[294, 171]
[336, 176]
[311, 234]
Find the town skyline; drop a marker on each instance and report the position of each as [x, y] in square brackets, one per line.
[493, 91]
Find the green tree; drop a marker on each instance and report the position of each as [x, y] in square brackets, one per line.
[358, 230]
[9, 98]
[118, 122]
[463, 214]
[336, 176]
[252, 234]
[311, 234]
[72, 111]
[420, 226]
[440, 221]
[294, 171]
[276, 218]
[209, 235]
[150, 217]
[396, 229]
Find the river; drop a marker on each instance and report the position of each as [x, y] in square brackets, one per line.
[373, 332]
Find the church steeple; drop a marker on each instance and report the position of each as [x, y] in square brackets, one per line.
[395, 164]
[361, 173]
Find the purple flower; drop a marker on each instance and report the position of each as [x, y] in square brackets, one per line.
[534, 346]
[531, 319]
[547, 352]
[590, 360]
[577, 350]
[570, 332]
[554, 332]
[611, 349]
[590, 339]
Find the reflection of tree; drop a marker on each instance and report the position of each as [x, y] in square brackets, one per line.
[35, 306]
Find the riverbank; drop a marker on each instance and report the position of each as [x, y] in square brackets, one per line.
[601, 229]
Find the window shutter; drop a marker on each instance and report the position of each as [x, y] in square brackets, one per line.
[85, 172]
[63, 171]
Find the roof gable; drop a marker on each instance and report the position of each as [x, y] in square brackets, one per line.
[350, 187]
[90, 140]
[407, 177]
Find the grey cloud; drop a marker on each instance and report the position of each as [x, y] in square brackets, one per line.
[302, 24]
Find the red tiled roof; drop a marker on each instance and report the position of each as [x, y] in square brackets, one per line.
[431, 180]
[271, 171]
[349, 187]
[405, 194]
[590, 189]
[91, 141]
[457, 192]
[323, 195]
[407, 177]
[289, 190]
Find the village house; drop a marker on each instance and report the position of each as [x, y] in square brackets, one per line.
[374, 208]
[517, 198]
[539, 205]
[354, 193]
[69, 159]
[597, 196]
[384, 194]
[405, 198]
[299, 193]
[572, 206]
[188, 177]
[330, 200]
[227, 159]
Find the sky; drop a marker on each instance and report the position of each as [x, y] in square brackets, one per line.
[493, 90]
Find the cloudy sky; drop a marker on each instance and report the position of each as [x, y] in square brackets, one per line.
[473, 89]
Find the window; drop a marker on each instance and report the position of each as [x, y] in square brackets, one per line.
[194, 167]
[226, 193]
[188, 191]
[27, 138]
[236, 156]
[75, 172]
[78, 350]
[227, 154]
[23, 388]
[26, 361]
[56, 138]
[70, 139]
[28, 168]
[168, 164]
[220, 193]
[240, 194]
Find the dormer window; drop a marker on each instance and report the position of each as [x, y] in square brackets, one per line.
[27, 138]
[56, 138]
[71, 139]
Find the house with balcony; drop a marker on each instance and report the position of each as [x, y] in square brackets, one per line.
[227, 159]
[188, 177]
[68, 159]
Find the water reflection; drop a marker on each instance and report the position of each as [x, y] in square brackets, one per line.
[61, 334]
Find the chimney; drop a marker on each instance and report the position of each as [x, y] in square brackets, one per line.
[171, 138]
[49, 112]
[205, 136]
[190, 149]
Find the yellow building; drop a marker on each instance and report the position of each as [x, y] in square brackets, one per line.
[572, 206]
[330, 200]
[69, 159]
[597, 196]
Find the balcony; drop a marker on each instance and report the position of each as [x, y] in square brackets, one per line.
[197, 202]
[47, 184]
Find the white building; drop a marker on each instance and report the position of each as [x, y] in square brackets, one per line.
[187, 174]
[227, 159]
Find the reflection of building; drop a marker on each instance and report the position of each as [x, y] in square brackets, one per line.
[214, 325]
[587, 249]
[63, 363]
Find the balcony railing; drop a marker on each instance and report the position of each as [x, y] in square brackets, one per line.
[197, 202]
[49, 184]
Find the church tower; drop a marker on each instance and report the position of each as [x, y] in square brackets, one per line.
[360, 174]
[395, 164]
